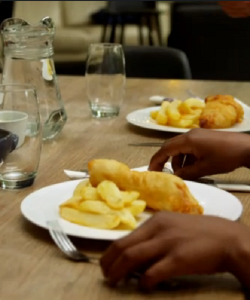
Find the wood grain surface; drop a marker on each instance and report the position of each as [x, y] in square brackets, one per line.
[31, 267]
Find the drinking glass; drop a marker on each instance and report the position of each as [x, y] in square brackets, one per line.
[19, 114]
[105, 79]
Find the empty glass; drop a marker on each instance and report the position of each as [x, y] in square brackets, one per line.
[105, 79]
[19, 114]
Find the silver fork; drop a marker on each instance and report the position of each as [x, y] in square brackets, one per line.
[65, 245]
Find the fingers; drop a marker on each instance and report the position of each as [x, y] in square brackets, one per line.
[139, 235]
[182, 160]
[154, 165]
[172, 147]
[195, 171]
[134, 258]
[177, 162]
[160, 271]
[190, 160]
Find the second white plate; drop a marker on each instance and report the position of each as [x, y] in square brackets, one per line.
[141, 118]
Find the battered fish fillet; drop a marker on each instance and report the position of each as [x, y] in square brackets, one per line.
[161, 191]
[221, 111]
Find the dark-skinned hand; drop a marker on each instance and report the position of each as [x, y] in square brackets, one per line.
[173, 244]
[203, 152]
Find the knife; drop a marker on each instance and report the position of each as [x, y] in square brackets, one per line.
[76, 174]
[224, 185]
[221, 184]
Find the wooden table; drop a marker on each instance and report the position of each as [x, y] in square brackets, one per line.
[31, 267]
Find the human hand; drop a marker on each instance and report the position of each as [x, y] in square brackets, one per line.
[206, 152]
[172, 244]
[236, 9]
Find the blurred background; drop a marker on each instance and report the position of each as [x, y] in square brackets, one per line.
[216, 46]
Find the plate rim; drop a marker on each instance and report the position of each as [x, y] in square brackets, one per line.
[125, 232]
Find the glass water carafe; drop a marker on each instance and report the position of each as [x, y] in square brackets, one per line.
[28, 59]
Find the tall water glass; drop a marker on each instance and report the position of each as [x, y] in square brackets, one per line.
[19, 114]
[105, 79]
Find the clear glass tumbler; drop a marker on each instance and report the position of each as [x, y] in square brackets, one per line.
[105, 79]
[19, 114]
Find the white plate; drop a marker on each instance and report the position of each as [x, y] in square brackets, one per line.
[142, 119]
[42, 205]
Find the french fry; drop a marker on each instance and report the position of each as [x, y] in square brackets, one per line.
[182, 123]
[185, 108]
[127, 218]
[137, 207]
[164, 106]
[195, 103]
[129, 197]
[109, 221]
[73, 202]
[153, 114]
[103, 207]
[194, 116]
[161, 118]
[110, 193]
[77, 191]
[190, 105]
[180, 114]
[89, 193]
[95, 206]
[172, 110]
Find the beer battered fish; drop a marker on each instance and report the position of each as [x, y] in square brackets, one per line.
[161, 191]
[221, 111]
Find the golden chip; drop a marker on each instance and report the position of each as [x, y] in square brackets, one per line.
[110, 193]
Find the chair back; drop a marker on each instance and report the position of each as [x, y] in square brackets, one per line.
[156, 62]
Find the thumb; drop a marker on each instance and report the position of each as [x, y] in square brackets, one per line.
[195, 171]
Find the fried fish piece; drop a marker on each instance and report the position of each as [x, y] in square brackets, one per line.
[221, 111]
[161, 191]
